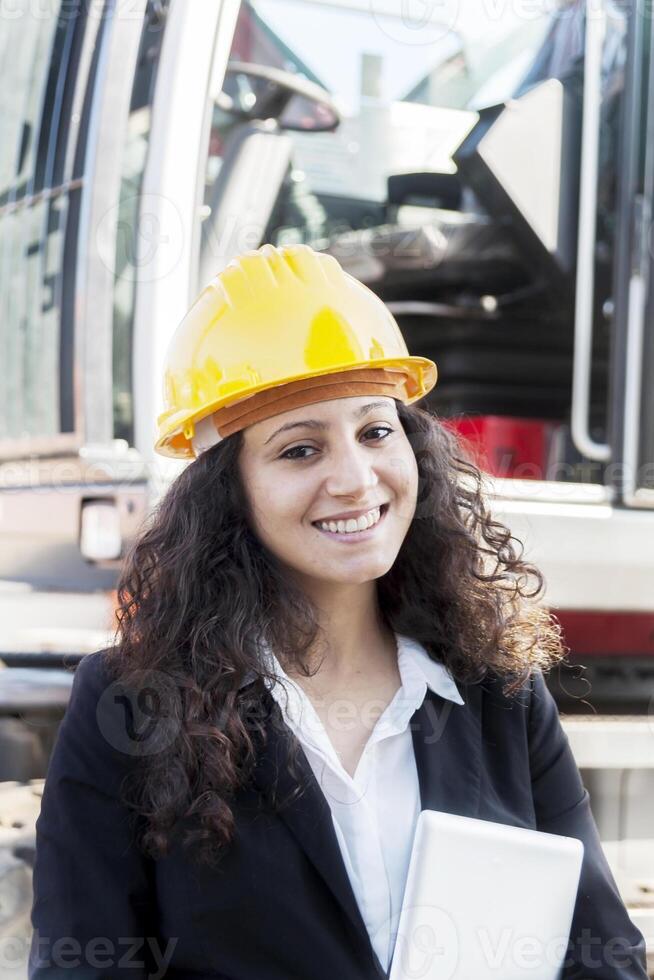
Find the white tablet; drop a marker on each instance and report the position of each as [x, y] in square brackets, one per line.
[485, 901]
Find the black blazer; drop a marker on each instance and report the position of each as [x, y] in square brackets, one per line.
[280, 905]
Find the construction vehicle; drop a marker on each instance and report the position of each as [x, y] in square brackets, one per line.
[489, 174]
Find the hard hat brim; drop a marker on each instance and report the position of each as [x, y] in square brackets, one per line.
[175, 442]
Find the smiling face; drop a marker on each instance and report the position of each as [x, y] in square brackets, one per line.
[311, 472]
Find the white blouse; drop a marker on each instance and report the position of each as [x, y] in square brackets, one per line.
[375, 811]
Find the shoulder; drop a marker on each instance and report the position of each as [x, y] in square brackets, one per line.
[528, 717]
[93, 672]
[494, 697]
[91, 680]
[103, 718]
[528, 690]
[530, 707]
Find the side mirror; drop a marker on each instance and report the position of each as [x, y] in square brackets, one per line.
[253, 91]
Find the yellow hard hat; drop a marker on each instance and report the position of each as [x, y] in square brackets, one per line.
[277, 316]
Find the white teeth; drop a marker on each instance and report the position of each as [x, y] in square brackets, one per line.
[352, 524]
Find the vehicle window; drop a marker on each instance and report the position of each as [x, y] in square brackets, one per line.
[390, 81]
[40, 187]
[29, 390]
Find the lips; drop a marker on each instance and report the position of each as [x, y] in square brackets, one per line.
[356, 534]
[351, 515]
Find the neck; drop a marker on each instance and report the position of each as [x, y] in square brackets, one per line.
[354, 640]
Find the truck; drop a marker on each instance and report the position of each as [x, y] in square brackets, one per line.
[487, 169]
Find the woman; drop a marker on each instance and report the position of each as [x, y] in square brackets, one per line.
[322, 631]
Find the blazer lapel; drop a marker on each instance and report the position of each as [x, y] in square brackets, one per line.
[309, 818]
[446, 739]
[447, 747]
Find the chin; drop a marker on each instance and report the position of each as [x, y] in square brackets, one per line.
[355, 575]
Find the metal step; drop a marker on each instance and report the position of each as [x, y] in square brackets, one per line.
[611, 741]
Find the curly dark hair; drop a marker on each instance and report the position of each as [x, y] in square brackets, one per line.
[199, 593]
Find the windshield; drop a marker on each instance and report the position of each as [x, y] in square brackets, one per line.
[452, 60]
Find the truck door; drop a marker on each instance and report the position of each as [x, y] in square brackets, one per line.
[102, 122]
[69, 97]
[632, 383]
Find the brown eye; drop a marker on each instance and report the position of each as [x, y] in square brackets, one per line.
[294, 449]
[375, 429]
[379, 428]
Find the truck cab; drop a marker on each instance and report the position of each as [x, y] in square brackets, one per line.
[496, 195]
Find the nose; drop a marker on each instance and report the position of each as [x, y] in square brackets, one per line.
[352, 473]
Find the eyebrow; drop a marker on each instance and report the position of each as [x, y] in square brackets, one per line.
[318, 424]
